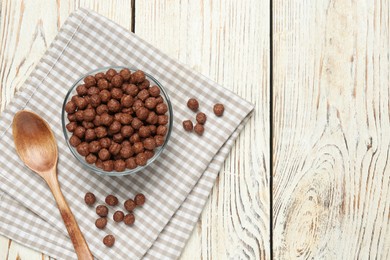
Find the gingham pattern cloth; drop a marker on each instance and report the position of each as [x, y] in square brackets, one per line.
[176, 185]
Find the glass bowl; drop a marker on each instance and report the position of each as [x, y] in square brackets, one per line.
[157, 151]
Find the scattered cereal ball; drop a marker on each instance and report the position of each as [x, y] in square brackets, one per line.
[101, 223]
[130, 205]
[199, 129]
[102, 210]
[89, 198]
[193, 104]
[129, 219]
[187, 125]
[218, 109]
[118, 216]
[139, 199]
[201, 118]
[109, 240]
[111, 200]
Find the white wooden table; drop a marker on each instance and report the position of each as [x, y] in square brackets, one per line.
[320, 83]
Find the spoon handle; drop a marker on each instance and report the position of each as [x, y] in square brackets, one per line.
[78, 240]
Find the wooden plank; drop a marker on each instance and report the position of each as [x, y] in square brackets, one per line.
[229, 42]
[26, 30]
[331, 129]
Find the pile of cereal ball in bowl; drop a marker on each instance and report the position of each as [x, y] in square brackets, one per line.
[117, 121]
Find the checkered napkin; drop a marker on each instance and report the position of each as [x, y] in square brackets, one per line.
[176, 185]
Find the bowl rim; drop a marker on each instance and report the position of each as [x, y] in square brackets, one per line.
[91, 166]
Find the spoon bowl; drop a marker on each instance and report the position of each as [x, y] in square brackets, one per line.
[36, 146]
[34, 141]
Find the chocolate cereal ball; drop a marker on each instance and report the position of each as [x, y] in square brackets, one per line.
[140, 199]
[113, 105]
[129, 219]
[138, 147]
[89, 114]
[94, 146]
[125, 73]
[143, 95]
[106, 119]
[74, 141]
[144, 131]
[137, 104]
[101, 223]
[70, 107]
[89, 198]
[102, 109]
[115, 148]
[154, 91]
[109, 240]
[99, 75]
[161, 130]
[101, 132]
[93, 90]
[102, 210]
[187, 125]
[218, 109]
[117, 81]
[142, 113]
[105, 96]
[82, 90]
[144, 85]
[71, 126]
[89, 81]
[90, 135]
[135, 138]
[137, 77]
[104, 154]
[95, 100]
[152, 118]
[149, 144]
[102, 84]
[115, 127]
[81, 103]
[127, 131]
[161, 108]
[153, 129]
[118, 137]
[162, 119]
[118, 216]
[159, 140]
[99, 164]
[119, 165]
[91, 158]
[87, 125]
[126, 151]
[193, 104]
[131, 89]
[72, 117]
[201, 118]
[82, 149]
[108, 165]
[110, 74]
[149, 154]
[111, 200]
[105, 142]
[130, 163]
[130, 205]
[116, 93]
[141, 159]
[125, 119]
[136, 123]
[127, 101]
[199, 129]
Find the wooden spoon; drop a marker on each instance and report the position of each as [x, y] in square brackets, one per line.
[36, 146]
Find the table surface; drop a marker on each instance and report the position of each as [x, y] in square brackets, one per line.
[325, 106]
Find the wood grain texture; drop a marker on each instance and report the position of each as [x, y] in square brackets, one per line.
[26, 30]
[229, 42]
[331, 129]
